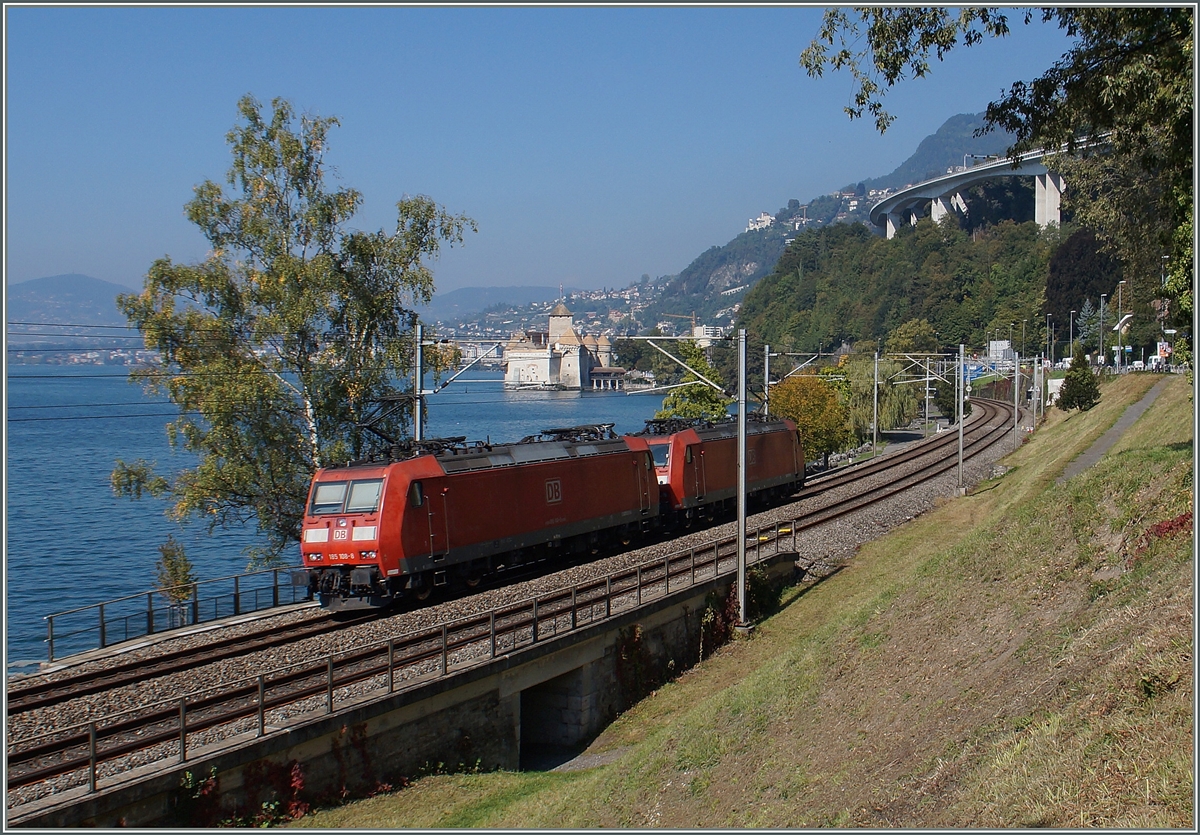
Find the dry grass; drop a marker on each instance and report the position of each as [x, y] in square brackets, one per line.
[1018, 657]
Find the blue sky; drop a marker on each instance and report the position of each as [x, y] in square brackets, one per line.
[591, 145]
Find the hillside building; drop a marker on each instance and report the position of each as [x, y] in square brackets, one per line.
[761, 222]
[559, 358]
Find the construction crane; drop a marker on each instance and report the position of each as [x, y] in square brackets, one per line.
[684, 316]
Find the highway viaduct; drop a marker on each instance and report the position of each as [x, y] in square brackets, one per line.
[944, 194]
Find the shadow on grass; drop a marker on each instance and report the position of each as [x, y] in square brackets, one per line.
[802, 583]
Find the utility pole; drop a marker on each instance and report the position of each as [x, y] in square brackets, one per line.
[928, 380]
[875, 411]
[418, 387]
[1016, 403]
[1072, 341]
[766, 379]
[741, 479]
[1120, 336]
[1103, 296]
[1049, 340]
[961, 401]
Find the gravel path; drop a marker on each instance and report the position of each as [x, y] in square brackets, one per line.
[1105, 442]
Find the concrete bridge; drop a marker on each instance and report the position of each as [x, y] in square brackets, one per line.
[944, 194]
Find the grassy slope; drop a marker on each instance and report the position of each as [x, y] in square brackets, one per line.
[1019, 657]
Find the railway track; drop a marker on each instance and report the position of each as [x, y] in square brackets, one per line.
[39, 694]
[166, 729]
[32, 694]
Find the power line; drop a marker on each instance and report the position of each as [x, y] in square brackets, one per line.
[69, 325]
[93, 405]
[96, 417]
[485, 402]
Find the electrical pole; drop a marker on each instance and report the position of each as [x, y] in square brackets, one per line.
[766, 379]
[962, 397]
[875, 412]
[928, 380]
[1103, 296]
[418, 386]
[1049, 340]
[741, 479]
[1016, 405]
[1071, 342]
[1120, 336]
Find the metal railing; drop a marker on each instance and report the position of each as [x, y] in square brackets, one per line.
[161, 730]
[152, 612]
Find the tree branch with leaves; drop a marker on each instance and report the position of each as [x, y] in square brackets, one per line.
[1127, 79]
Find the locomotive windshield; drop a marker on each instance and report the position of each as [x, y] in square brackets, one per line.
[661, 453]
[331, 496]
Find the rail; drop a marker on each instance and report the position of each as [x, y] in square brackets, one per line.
[167, 730]
[99, 625]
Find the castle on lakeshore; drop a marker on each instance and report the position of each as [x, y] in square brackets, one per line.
[559, 358]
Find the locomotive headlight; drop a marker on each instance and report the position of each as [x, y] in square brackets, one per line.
[313, 557]
[367, 555]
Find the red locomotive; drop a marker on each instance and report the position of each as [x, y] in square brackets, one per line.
[696, 463]
[455, 513]
[372, 532]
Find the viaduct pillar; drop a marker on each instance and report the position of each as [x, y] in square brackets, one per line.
[1048, 199]
[897, 219]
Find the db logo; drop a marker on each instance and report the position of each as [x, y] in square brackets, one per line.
[553, 491]
[340, 534]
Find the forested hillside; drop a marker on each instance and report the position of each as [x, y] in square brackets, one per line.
[843, 283]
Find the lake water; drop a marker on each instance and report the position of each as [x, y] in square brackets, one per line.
[70, 542]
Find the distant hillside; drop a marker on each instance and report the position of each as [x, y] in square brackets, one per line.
[944, 149]
[466, 301]
[66, 311]
[65, 299]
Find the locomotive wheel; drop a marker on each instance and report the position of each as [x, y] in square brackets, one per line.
[423, 592]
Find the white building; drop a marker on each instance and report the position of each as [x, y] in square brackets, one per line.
[1000, 352]
[560, 358]
[761, 222]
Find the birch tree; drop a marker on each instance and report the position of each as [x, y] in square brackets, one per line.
[281, 343]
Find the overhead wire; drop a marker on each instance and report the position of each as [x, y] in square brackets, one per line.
[486, 401]
[165, 374]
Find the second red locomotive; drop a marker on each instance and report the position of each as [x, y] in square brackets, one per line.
[696, 463]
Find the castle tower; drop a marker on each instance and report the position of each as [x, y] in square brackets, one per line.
[561, 323]
[593, 350]
[604, 351]
[573, 368]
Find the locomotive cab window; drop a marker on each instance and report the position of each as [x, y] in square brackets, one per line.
[662, 454]
[364, 496]
[328, 497]
[416, 494]
[346, 497]
[687, 456]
